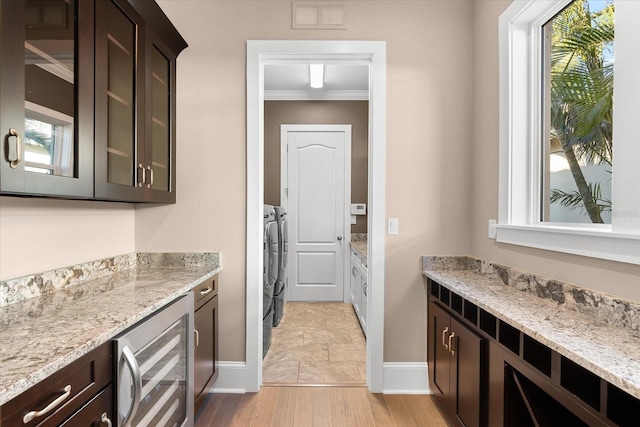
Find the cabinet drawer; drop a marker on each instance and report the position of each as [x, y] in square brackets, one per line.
[86, 377]
[204, 291]
[91, 413]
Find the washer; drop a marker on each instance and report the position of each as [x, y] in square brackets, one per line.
[281, 283]
[270, 273]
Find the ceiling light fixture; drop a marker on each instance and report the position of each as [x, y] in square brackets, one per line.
[316, 75]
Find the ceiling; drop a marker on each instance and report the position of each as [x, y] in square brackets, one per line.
[291, 81]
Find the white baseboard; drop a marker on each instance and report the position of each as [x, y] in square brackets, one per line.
[231, 378]
[406, 378]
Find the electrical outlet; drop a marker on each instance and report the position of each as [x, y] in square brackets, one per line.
[492, 228]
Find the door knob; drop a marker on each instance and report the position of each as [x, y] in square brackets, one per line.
[339, 237]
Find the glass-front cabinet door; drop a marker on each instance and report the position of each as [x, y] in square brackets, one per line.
[119, 96]
[46, 104]
[160, 148]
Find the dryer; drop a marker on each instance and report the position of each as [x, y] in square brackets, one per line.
[271, 252]
[281, 283]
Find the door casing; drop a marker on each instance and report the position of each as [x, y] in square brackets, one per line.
[259, 53]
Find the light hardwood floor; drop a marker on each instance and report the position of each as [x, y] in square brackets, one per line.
[316, 343]
[319, 407]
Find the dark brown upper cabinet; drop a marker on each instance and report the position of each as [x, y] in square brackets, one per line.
[46, 98]
[136, 51]
[87, 99]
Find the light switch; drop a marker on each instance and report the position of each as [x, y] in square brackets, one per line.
[392, 226]
[354, 219]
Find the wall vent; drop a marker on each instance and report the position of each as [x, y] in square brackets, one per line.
[313, 15]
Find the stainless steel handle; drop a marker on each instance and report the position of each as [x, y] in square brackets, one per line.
[206, 291]
[14, 163]
[451, 350]
[444, 333]
[132, 364]
[144, 175]
[150, 184]
[197, 337]
[339, 237]
[105, 419]
[35, 414]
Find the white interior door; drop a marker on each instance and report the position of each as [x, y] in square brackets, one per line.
[316, 182]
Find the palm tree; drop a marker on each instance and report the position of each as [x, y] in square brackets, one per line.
[582, 98]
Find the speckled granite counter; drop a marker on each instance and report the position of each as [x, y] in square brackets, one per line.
[597, 331]
[40, 335]
[359, 242]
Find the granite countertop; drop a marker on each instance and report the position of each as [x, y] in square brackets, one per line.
[359, 242]
[597, 331]
[41, 335]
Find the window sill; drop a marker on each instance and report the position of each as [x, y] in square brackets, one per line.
[596, 242]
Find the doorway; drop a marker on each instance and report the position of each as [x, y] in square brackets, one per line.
[260, 53]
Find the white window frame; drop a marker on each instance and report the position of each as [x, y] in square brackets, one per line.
[521, 54]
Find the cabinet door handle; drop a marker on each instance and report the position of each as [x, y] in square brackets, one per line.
[105, 419]
[451, 350]
[444, 342]
[353, 272]
[364, 289]
[206, 291]
[150, 184]
[35, 414]
[143, 174]
[14, 163]
[197, 337]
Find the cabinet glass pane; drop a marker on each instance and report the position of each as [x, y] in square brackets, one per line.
[161, 137]
[121, 34]
[50, 95]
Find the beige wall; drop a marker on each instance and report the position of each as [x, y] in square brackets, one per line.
[428, 166]
[354, 113]
[611, 277]
[40, 234]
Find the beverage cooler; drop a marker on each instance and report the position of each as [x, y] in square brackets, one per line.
[154, 369]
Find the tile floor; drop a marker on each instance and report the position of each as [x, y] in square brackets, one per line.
[316, 344]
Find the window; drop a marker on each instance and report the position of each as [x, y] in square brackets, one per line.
[563, 185]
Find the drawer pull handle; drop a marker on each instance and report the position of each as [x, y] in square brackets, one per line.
[444, 333]
[35, 414]
[197, 337]
[105, 419]
[453, 352]
[206, 291]
[14, 163]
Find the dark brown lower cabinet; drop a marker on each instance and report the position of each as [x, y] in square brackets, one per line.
[456, 368]
[76, 395]
[485, 372]
[206, 339]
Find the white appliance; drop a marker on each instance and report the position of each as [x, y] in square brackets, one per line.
[154, 369]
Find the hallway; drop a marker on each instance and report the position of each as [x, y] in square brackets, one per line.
[316, 344]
